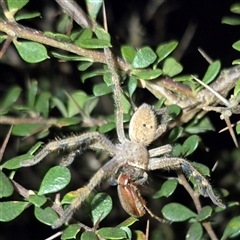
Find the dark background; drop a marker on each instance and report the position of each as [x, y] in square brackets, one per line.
[170, 21]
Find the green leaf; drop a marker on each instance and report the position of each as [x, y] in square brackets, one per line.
[31, 52]
[175, 134]
[165, 49]
[147, 74]
[202, 125]
[42, 103]
[203, 169]
[238, 128]
[177, 150]
[144, 57]
[171, 67]
[14, 5]
[106, 127]
[3, 38]
[10, 98]
[195, 232]
[102, 34]
[232, 229]
[80, 98]
[93, 7]
[128, 53]
[63, 122]
[6, 187]
[128, 222]
[31, 93]
[70, 232]
[14, 163]
[167, 189]
[27, 16]
[235, 8]
[10, 210]
[84, 66]
[55, 180]
[101, 206]
[27, 129]
[237, 88]
[112, 233]
[58, 36]
[204, 214]
[89, 236]
[132, 85]
[236, 62]
[101, 89]
[93, 43]
[66, 57]
[212, 72]
[190, 145]
[236, 45]
[55, 102]
[47, 215]
[92, 74]
[174, 111]
[37, 200]
[90, 105]
[231, 20]
[176, 212]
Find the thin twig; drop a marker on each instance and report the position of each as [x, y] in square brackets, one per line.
[195, 197]
[4, 145]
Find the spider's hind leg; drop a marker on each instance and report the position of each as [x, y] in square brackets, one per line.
[172, 163]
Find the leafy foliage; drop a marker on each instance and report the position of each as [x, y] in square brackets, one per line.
[54, 105]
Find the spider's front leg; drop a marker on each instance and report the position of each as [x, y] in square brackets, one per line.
[172, 163]
[88, 140]
[105, 172]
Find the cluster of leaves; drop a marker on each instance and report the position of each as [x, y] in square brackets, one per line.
[38, 104]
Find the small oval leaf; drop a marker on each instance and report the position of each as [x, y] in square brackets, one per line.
[148, 74]
[212, 72]
[144, 57]
[70, 232]
[165, 49]
[176, 212]
[171, 67]
[204, 214]
[190, 145]
[47, 215]
[55, 179]
[112, 233]
[10, 210]
[232, 229]
[195, 232]
[6, 187]
[167, 189]
[31, 52]
[101, 206]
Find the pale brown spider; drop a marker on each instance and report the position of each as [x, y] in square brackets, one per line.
[130, 156]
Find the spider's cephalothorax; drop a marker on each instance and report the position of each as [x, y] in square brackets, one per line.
[130, 157]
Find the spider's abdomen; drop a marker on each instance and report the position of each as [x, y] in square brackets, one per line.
[134, 154]
[143, 125]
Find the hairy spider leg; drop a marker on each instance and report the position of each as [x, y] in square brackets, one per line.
[182, 164]
[117, 92]
[104, 172]
[93, 139]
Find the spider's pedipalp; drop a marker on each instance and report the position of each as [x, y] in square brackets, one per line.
[172, 163]
[94, 138]
[103, 173]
